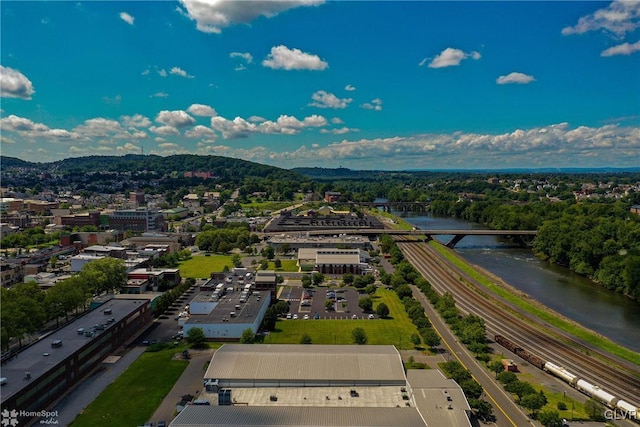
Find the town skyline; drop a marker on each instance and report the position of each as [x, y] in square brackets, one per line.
[363, 85]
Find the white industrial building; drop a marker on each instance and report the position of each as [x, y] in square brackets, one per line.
[224, 313]
[322, 385]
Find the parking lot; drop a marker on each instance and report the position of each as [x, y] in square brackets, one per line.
[311, 302]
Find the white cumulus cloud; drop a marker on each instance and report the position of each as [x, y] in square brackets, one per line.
[231, 129]
[619, 18]
[127, 18]
[622, 49]
[177, 71]
[202, 110]
[375, 104]
[201, 132]
[323, 99]
[164, 130]
[14, 84]
[246, 56]
[135, 121]
[349, 88]
[286, 125]
[281, 57]
[213, 16]
[515, 77]
[176, 119]
[159, 95]
[450, 57]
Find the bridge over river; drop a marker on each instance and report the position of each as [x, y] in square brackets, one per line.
[457, 234]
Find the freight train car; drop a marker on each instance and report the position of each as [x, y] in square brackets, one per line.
[622, 407]
[561, 373]
[516, 349]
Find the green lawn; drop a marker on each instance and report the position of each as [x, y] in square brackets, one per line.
[575, 409]
[133, 398]
[395, 330]
[288, 265]
[576, 330]
[202, 266]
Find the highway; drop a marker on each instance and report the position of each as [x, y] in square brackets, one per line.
[618, 377]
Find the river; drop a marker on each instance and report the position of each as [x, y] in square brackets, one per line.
[578, 298]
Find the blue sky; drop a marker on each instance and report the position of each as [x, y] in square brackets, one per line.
[358, 84]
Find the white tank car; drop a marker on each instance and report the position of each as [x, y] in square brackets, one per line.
[628, 410]
[561, 373]
[597, 393]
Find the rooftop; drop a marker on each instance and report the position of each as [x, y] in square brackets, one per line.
[372, 364]
[247, 416]
[40, 357]
[225, 305]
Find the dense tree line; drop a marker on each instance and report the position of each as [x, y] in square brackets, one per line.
[26, 308]
[222, 240]
[598, 241]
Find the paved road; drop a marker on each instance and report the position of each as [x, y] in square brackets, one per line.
[190, 382]
[507, 413]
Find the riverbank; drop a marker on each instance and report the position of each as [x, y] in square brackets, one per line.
[592, 340]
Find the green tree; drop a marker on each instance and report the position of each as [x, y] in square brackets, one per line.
[520, 388]
[383, 311]
[329, 305]
[277, 263]
[196, 337]
[306, 281]
[106, 275]
[594, 409]
[507, 377]
[415, 340]
[347, 278]
[550, 418]
[236, 260]
[359, 336]
[248, 336]
[484, 410]
[365, 303]
[317, 278]
[430, 337]
[268, 252]
[496, 367]
[533, 402]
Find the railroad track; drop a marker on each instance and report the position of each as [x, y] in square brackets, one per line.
[528, 331]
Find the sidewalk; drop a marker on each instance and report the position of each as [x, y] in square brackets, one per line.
[190, 382]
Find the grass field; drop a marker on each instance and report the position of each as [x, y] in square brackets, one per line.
[288, 265]
[133, 398]
[575, 409]
[542, 313]
[395, 330]
[202, 266]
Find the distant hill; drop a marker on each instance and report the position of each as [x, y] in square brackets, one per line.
[14, 162]
[222, 167]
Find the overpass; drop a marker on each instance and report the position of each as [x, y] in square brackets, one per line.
[457, 234]
[396, 206]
